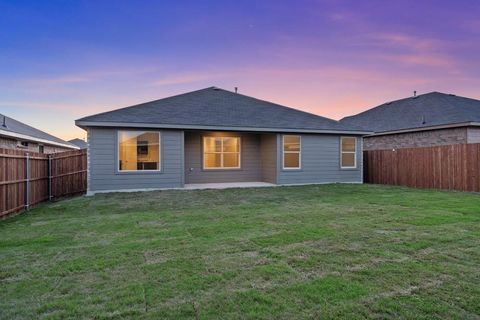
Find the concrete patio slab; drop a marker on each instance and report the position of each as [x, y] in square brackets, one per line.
[199, 186]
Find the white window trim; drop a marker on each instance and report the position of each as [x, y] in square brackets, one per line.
[204, 167]
[159, 151]
[354, 153]
[299, 152]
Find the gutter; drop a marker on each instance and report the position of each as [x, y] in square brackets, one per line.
[444, 126]
[30, 138]
[82, 124]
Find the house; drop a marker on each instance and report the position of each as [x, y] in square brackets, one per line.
[19, 136]
[431, 119]
[217, 136]
[79, 143]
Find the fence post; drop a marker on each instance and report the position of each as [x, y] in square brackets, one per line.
[27, 181]
[50, 178]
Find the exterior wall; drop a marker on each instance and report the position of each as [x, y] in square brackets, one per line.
[103, 163]
[8, 143]
[320, 161]
[268, 152]
[473, 135]
[250, 159]
[418, 139]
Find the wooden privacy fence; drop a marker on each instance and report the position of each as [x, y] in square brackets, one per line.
[27, 178]
[454, 167]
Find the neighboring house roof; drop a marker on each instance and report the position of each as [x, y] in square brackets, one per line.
[79, 143]
[214, 108]
[12, 128]
[421, 112]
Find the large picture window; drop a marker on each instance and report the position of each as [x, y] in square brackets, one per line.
[138, 151]
[349, 152]
[221, 152]
[291, 152]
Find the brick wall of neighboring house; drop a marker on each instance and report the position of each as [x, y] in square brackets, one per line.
[421, 139]
[8, 143]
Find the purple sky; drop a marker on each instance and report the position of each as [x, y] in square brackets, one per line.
[61, 60]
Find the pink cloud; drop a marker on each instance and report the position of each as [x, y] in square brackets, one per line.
[406, 41]
[431, 60]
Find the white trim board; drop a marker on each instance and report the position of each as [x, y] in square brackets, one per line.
[81, 123]
[30, 138]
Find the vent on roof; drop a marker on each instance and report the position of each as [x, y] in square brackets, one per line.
[4, 122]
[215, 88]
[423, 119]
[389, 102]
[453, 95]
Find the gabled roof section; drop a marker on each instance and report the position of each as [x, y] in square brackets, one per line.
[215, 108]
[432, 109]
[15, 129]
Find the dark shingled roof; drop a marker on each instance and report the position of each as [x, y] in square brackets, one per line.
[79, 143]
[217, 108]
[17, 127]
[426, 110]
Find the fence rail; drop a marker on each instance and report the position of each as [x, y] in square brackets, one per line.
[453, 167]
[28, 178]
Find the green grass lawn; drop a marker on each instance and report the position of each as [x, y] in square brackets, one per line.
[348, 251]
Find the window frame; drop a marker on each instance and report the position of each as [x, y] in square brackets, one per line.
[159, 152]
[222, 153]
[299, 152]
[348, 152]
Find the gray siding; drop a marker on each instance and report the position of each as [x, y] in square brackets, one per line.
[320, 161]
[473, 135]
[103, 159]
[250, 160]
[268, 150]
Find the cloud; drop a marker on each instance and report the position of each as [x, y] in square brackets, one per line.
[85, 77]
[76, 109]
[329, 74]
[431, 60]
[406, 41]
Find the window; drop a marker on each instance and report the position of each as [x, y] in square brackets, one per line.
[138, 151]
[41, 149]
[221, 152]
[348, 152]
[22, 144]
[291, 152]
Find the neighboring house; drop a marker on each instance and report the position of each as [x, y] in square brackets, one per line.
[217, 136]
[431, 119]
[79, 143]
[19, 136]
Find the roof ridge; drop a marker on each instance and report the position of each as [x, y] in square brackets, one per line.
[146, 102]
[388, 103]
[278, 105]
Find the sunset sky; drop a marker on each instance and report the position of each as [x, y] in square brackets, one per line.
[61, 60]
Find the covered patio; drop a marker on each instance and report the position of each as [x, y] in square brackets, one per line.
[219, 159]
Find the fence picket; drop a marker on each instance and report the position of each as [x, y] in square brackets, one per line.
[454, 167]
[27, 179]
